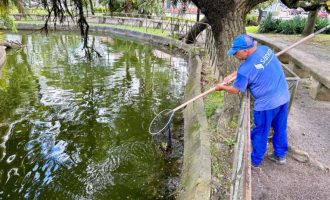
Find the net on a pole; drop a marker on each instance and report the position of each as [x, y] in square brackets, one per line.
[161, 122]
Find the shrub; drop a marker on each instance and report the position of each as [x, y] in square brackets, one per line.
[101, 9]
[292, 26]
[269, 25]
[251, 20]
[320, 23]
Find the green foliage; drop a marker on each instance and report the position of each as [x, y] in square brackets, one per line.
[269, 24]
[101, 9]
[8, 22]
[292, 26]
[230, 142]
[37, 11]
[151, 31]
[251, 20]
[2, 37]
[233, 122]
[147, 7]
[321, 23]
[213, 101]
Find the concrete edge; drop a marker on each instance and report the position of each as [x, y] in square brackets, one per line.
[196, 173]
[3, 57]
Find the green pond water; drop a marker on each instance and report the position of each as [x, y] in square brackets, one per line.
[77, 129]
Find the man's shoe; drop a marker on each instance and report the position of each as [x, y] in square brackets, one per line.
[277, 160]
[255, 166]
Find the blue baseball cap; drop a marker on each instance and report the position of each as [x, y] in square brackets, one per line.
[241, 42]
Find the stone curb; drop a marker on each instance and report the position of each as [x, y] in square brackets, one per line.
[3, 56]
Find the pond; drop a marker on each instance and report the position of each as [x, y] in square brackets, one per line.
[77, 129]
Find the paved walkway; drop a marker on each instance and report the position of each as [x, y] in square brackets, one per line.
[320, 51]
[309, 131]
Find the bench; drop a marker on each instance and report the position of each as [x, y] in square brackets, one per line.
[305, 65]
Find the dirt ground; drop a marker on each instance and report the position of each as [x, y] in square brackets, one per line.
[308, 130]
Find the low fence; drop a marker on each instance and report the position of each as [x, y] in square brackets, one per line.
[174, 26]
[241, 173]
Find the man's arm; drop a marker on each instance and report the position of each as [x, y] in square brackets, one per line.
[226, 88]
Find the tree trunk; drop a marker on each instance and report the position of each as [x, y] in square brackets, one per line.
[227, 19]
[92, 7]
[259, 15]
[232, 26]
[310, 23]
[128, 7]
[190, 37]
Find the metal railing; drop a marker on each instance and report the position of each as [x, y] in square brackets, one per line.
[241, 173]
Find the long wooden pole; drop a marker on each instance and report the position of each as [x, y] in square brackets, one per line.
[277, 54]
[201, 95]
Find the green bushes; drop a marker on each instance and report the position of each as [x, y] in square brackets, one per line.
[292, 26]
[251, 20]
[320, 23]
[269, 24]
[101, 9]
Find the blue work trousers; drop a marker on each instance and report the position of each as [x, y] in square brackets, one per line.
[263, 120]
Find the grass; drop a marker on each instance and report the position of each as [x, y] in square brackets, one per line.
[2, 36]
[29, 22]
[151, 31]
[251, 29]
[212, 102]
[221, 161]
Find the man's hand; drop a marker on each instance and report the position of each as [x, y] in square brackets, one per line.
[219, 87]
[226, 88]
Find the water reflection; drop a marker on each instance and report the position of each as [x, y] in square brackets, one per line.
[73, 129]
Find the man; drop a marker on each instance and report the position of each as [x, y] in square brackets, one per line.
[262, 73]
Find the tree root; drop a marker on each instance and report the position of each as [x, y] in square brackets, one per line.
[11, 44]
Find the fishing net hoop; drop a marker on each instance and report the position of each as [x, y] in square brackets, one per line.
[165, 117]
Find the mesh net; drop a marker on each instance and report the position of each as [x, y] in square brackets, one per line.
[164, 140]
[161, 122]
